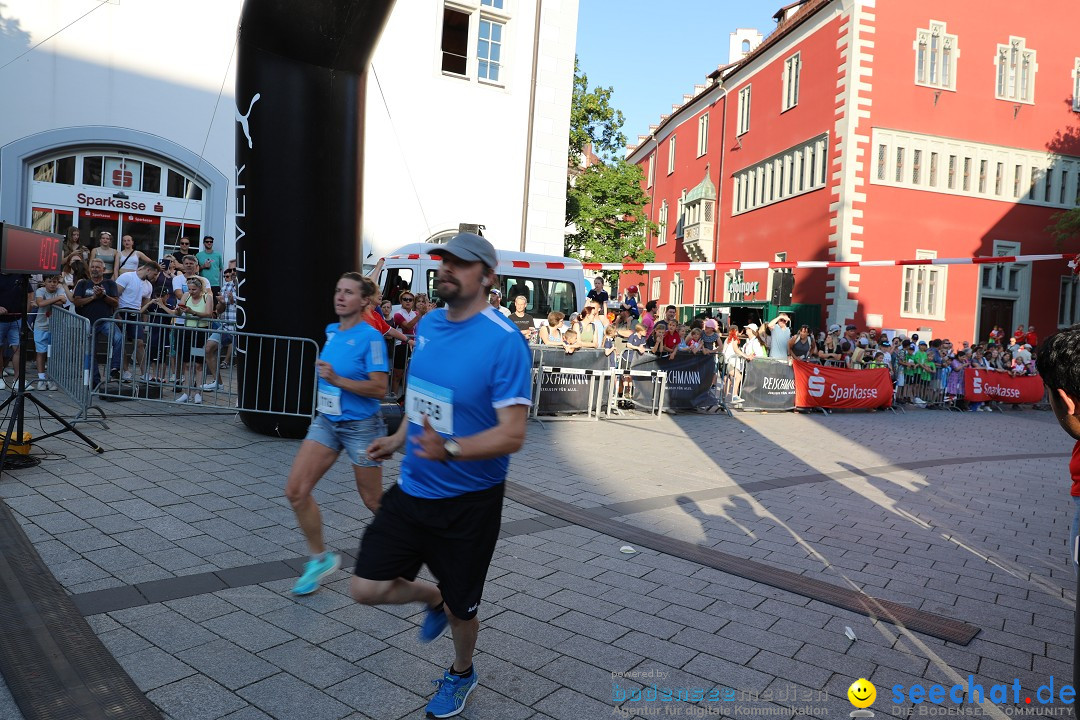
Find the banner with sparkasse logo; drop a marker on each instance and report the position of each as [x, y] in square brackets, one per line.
[986, 386]
[832, 387]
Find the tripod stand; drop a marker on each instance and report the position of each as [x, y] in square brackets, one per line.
[19, 396]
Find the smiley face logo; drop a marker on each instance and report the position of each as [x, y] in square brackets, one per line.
[862, 693]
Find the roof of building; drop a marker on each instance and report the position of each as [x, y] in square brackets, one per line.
[705, 190]
[784, 27]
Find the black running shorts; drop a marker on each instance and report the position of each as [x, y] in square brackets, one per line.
[455, 537]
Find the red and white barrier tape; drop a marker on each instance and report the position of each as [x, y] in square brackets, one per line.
[766, 265]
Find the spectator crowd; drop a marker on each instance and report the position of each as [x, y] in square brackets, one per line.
[166, 309]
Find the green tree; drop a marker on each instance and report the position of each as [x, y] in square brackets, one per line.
[605, 202]
[1066, 226]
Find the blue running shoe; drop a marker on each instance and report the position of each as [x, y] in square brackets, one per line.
[434, 623]
[453, 691]
[314, 572]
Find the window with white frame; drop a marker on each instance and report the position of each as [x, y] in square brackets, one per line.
[1067, 301]
[676, 290]
[936, 52]
[797, 170]
[993, 172]
[680, 219]
[703, 135]
[792, 67]
[489, 50]
[671, 155]
[655, 293]
[1016, 69]
[472, 42]
[661, 222]
[652, 169]
[923, 290]
[1076, 85]
[742, 123]
[702, 288]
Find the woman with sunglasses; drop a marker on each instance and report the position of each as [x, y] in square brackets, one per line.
[405, 320]
[802, 346]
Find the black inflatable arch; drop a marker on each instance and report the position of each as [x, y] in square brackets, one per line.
[300, 82]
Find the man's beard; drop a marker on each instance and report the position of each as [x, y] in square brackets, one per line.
[449, 290]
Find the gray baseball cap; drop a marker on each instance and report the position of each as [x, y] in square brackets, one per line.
[468, 247]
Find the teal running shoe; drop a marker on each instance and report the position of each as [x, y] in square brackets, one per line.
[434, 623]
[453, 691]
[314, 572]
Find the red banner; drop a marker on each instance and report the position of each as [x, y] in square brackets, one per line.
[831, 387]
[99, 214]
[986, 386]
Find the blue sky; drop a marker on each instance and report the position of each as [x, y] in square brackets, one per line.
[653, 52]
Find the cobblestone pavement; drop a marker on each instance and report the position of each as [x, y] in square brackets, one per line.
[962, 515]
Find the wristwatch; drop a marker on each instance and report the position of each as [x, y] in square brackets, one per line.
[453, 450]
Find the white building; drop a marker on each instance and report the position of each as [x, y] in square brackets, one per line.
[121, 116]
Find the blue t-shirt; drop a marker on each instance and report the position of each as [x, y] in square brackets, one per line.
[354, 354]
[460, 373]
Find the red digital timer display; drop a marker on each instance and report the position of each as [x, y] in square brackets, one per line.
[25, 251]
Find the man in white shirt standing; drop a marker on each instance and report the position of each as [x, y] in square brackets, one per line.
[135, 291]
[495, 300]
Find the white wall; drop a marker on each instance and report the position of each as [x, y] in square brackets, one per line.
[151, 65]
[439, 150]
[443, 150]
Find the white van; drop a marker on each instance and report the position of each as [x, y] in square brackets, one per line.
[547, 289]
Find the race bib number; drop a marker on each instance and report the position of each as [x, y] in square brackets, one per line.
[424, 398]
[328, 401]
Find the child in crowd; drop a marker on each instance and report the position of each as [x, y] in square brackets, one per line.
[656, 340]
[637, 341]
[570, 341]
[710, 337]
[52, 293]
[672, 337]
[1059, 365]
[610, 334]
[693, 341]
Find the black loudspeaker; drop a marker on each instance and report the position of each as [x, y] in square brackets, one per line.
[783, 284]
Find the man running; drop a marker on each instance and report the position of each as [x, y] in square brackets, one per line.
[466, 403]
[352, 372]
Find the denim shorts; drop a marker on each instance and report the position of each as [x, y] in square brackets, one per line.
[9, 333]
[42, 338]
[1074, 533]
[353, 436]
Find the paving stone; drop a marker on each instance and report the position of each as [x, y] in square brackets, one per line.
[519, 651]
[283, 696]
[115, 523]
[228, 664]
[33, 505]
[85, 540]
[526, 628]
[151, 668]
[171, 632]
[169, 527]
[248, 631]
[86, 507]
[590, 626]
[371, 620]
[195, 698]
[137, 509]
[201, 607]
[565, 704]
[75, 572]
[254, 599]
[306, 623]
[663, 651]
[646, 623]
[60, 522]
[407, 670]
[122, 641]
[729, 674]
[600, 654]
[354, 645]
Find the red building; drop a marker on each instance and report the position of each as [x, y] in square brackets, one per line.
[863, 130]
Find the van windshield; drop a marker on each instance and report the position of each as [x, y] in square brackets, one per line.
[544, 296]
[395, 280]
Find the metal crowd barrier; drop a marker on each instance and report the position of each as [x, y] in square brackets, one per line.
[68, 361]
[166, 363]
